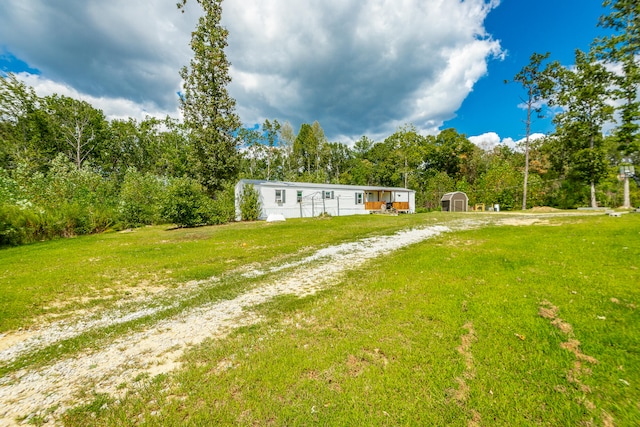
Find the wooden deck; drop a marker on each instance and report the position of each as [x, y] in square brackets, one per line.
[382, 206]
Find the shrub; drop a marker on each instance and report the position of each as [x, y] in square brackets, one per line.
[139, 199]
[223, 207]
[186, 204]
[250, 203]
[20, 225]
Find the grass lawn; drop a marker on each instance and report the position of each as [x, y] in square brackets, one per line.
[96, 271]
[504, 325]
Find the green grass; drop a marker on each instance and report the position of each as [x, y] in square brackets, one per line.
[391, 344]
[70, 274]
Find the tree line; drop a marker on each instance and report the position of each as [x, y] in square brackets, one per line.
[67, 170]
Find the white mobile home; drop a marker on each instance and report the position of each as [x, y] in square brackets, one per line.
[304, 200]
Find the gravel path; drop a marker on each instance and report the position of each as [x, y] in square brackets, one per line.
[30, 392]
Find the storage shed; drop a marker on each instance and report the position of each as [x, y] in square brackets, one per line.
[456, 201]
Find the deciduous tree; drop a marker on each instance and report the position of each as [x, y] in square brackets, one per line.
[537, 83]
[79, 127]
[622, 47]
[582, 93]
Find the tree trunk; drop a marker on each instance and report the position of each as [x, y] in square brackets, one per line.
[627, 199]
[594, 202]
[526, 150]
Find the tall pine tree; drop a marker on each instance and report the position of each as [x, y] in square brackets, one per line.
[208, 109]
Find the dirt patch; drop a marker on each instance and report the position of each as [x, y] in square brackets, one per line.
[573, 346]
[521, 222]
[543, 209]
[548, 310]
[579, 370]
[460, 395]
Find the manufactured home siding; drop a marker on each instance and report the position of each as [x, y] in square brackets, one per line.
[297, 199]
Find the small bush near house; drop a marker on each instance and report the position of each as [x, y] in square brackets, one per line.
[250, 203]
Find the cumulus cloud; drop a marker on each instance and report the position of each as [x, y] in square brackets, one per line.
[115, 49]
[114, 108]
[357, 66]
[490, 140]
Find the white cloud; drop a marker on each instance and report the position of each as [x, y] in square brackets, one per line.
[357, 66]
[114, 108]
[490, 140]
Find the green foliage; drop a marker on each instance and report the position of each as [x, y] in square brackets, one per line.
[186, 203]
[250, 203]
[209, 111]
[622, 47]
[139, 200]
[583, 94]
[501, 185]
[223, 208]
[435, 187]
[305, 149]
[79, 128]
[17, 225]
[8, 188]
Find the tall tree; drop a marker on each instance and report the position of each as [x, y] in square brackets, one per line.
[582, 93]
[536, 83]
[448, 152]
[208, 109]
[362, 167]
[408, 147]
[79, 127]
[271, 133]
[305, 149]
[622, 47]
[287, 141]
[25, 132]
[318, 134]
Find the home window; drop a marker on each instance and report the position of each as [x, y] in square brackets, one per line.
[280, 196]
[359, 198]
[299, 196]
[328, 194]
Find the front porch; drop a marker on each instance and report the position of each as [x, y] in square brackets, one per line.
[386, 206]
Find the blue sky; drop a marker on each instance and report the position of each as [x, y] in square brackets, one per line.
[359, 67]
[524, 27]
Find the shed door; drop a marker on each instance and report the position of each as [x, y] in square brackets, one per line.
[458, 205]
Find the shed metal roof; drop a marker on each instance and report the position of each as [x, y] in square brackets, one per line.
[451, 195]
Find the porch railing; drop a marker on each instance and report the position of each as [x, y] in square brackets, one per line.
[378, 206]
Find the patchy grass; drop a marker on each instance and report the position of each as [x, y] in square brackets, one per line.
[67, 275]
[506, 325]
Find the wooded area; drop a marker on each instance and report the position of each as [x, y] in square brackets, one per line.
[67, 170]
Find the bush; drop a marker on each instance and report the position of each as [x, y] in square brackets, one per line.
[20, 225]
[223, 207]
[139, 200]
[250, 203]
[186, 204]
